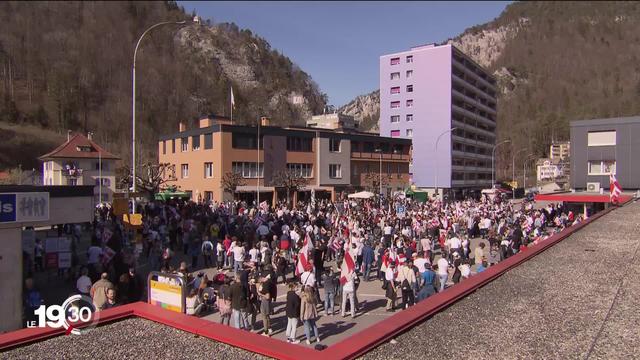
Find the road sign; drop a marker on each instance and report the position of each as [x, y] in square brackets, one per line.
[24, 207]
[400, 210]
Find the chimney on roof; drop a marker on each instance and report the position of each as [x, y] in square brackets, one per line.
[68, 135]
[182, 127]
[264, 121]
[89, 135]
[206, 122]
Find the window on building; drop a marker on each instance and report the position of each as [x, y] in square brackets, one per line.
[208, 141]
[302, 170]
[164, 147]
[302, 144]
[185, 144]
[605, 167]
[248, 169]
[395, 90]
[334, 145]
[409, 117]
[395, 133]
[184, 171]
[409, 59]
[409, 88]
[395, 61]
[395, 104]
[208, 196]
[246, 141]
[355, 146]
[335, 171]
[84, 148]
[208, 170]
[104, 182]
[601, 138]
[409, 74]
[72, 181]
[409, 132]
[355, 169]
[410, 103]
[395, 118]
[395, 75]
[173, 146]
[195, 142]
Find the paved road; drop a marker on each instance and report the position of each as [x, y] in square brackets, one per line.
[331, 328]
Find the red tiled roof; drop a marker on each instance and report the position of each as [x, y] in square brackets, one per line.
[70, 149]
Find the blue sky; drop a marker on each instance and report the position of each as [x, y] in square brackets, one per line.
[339, 43]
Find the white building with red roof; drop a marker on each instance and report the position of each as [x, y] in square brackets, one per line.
[80, 161]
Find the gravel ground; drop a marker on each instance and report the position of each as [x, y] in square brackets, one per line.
[133, 338]
[578, 300]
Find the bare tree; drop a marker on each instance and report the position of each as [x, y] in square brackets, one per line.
[150, 178]
[372, 181]
[289, 180]
[231, 180]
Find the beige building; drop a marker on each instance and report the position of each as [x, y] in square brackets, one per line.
[331, 161]
[80, 161]
[332, 121]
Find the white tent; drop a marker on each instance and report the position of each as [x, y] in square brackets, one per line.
[361, 195]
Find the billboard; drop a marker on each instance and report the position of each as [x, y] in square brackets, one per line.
[24, 207]
[167, 291]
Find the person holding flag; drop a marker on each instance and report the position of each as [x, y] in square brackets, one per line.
[303, 259]
[615, 190]
[347, 280]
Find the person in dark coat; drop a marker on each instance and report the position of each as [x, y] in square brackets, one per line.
[292, 310]
[368, 256]
[318, 262]
[136, 286]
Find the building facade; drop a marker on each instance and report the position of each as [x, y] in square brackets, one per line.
[602, 147]
[559, 150]
[424, 93]
[332, 121]
[330, 161]
[81, 161]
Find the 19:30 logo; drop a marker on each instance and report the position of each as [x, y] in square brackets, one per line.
[76, 315]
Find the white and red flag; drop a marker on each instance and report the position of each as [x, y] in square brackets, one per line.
[615, 188]
[348, 266]
[303, 256]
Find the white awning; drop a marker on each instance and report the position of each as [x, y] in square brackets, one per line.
[361, 195]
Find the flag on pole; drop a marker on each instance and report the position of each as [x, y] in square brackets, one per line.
[303, 256]
[615, 189]
[233, 100]
[347, 268]
[233, 104]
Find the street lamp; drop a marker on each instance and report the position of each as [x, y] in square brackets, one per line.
[435, 157]
[513, 167]
[493, 155]
[379, 150]
[133, 101]
[258, 165]
[524, 172]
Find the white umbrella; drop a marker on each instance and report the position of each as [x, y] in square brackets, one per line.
[361, 195]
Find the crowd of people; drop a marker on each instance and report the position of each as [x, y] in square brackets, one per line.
[328, 246]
